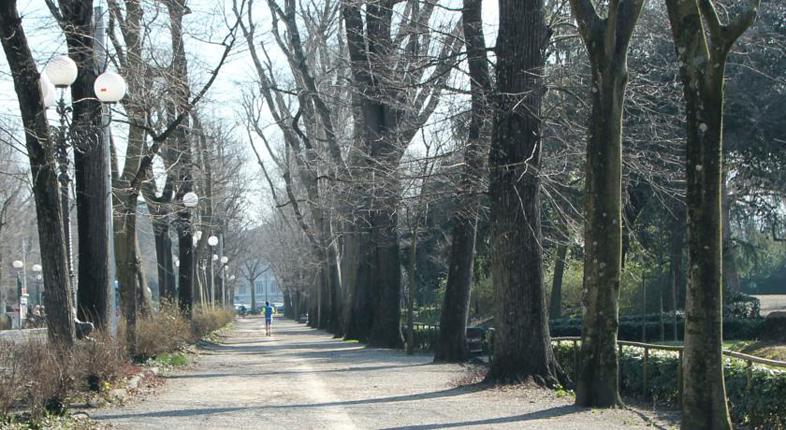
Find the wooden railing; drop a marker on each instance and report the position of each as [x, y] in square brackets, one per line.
[750, 360]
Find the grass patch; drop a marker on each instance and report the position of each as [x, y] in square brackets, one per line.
[770, 350]
[175, 359]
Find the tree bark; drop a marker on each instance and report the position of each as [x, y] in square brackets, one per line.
[702, 54]
[90, 168]
[178, 86]
[607, 44]
[731, 275]
[677, 243]
[555, 306]
[522, 345]
[40, 150]
[127, 264]
[166, 270]
[185, 245]
[452, 342]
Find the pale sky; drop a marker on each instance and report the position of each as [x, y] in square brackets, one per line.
[206, 24]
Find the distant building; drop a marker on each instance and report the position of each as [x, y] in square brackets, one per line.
[266, 289]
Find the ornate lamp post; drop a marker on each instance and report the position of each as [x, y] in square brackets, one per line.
[21, 292]
[60, 73]
[186, 265]
[212, 241]
[37, 296]
[222, 279]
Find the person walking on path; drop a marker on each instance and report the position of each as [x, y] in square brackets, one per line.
[268, 319]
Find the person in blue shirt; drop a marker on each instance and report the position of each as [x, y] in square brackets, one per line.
[268, 319]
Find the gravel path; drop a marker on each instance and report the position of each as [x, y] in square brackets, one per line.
[303, 379]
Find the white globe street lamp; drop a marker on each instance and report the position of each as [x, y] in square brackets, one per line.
[61, 71]
[215, 257]
[212, 241]
[224, 260]
[18, 264]
[232, 278]
[38, 278]
[109, 87]
[48, 91]
[190, 199]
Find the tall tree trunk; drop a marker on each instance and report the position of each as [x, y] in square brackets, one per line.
[452, 342]
[253, 295]
[704, 403]
[555, 305]
[386, 326]
[165, 263]
[522, 346]
[607, 44]
[90, 168]
[702, 54]
[731, 276]
[127, 259]
[677, 243]
[179, 88]
[288, 311]
[185, 245]
[359, 320]
[40, 152]
[336, 325]
[124, 204]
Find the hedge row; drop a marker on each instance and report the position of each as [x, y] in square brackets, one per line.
[631, 329]
[762, 405]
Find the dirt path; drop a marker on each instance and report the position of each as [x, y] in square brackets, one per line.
[303, 379]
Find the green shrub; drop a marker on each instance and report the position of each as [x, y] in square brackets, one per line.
[760, 406]
[630, 327]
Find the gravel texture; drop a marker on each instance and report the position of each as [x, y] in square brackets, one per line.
[303, 379]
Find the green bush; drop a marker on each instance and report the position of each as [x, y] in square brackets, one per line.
[763, 406]
[630, 327]
[424, 336]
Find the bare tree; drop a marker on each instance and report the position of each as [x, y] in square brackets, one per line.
[38, 142]
[522, 345]
[452, 343]
[607, 41]
[75, 17]
[703, 44]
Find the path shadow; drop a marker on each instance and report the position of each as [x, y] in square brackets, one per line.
[531, 416]
[210, 411]
[177, 413]
[295, 372]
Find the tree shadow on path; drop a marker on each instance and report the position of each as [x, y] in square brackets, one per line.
[554, 412]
